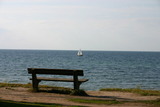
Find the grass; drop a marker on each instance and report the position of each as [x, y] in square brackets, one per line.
[156, 103]
[29, 85]
[6, 103]
[46, 88]
[135, 90]
[15, 85]
[151, 102]
[91, 101]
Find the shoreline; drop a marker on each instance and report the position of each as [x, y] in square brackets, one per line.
[23, 93]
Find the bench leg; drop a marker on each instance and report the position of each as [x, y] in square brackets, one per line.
[76, 83]
[77, 86]
[35, 85]
[79, 83]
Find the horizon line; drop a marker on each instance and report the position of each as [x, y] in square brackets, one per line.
[83, 50]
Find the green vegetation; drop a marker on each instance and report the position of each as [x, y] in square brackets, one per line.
[135, 90]
[152, 103]
[15, 85]
[91, 101]
[156, 103]
[29, 85]
[46, 88]
[4, 103]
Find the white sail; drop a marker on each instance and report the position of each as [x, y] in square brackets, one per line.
[80, 53]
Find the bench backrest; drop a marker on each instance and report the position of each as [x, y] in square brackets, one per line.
[55, 71]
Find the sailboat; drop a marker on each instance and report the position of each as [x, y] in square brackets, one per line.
[80, 53]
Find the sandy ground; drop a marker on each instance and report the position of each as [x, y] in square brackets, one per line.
[23, 94]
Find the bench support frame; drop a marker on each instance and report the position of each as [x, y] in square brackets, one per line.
[36, 81]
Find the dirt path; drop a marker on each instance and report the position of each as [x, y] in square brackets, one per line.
[22, 94]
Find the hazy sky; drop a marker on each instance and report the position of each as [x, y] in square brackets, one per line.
[122, 25]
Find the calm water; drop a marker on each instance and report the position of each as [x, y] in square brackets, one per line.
[104, 69]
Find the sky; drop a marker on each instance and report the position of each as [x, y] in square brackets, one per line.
[109, 25]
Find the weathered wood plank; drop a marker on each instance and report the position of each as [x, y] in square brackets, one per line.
[60, 79]
[55, 71]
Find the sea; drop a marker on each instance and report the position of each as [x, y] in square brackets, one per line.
[104, 69]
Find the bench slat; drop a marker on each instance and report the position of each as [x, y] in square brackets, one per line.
[55, 71]
[60, 79]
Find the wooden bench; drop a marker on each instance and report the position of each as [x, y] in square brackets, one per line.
[75, 73]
